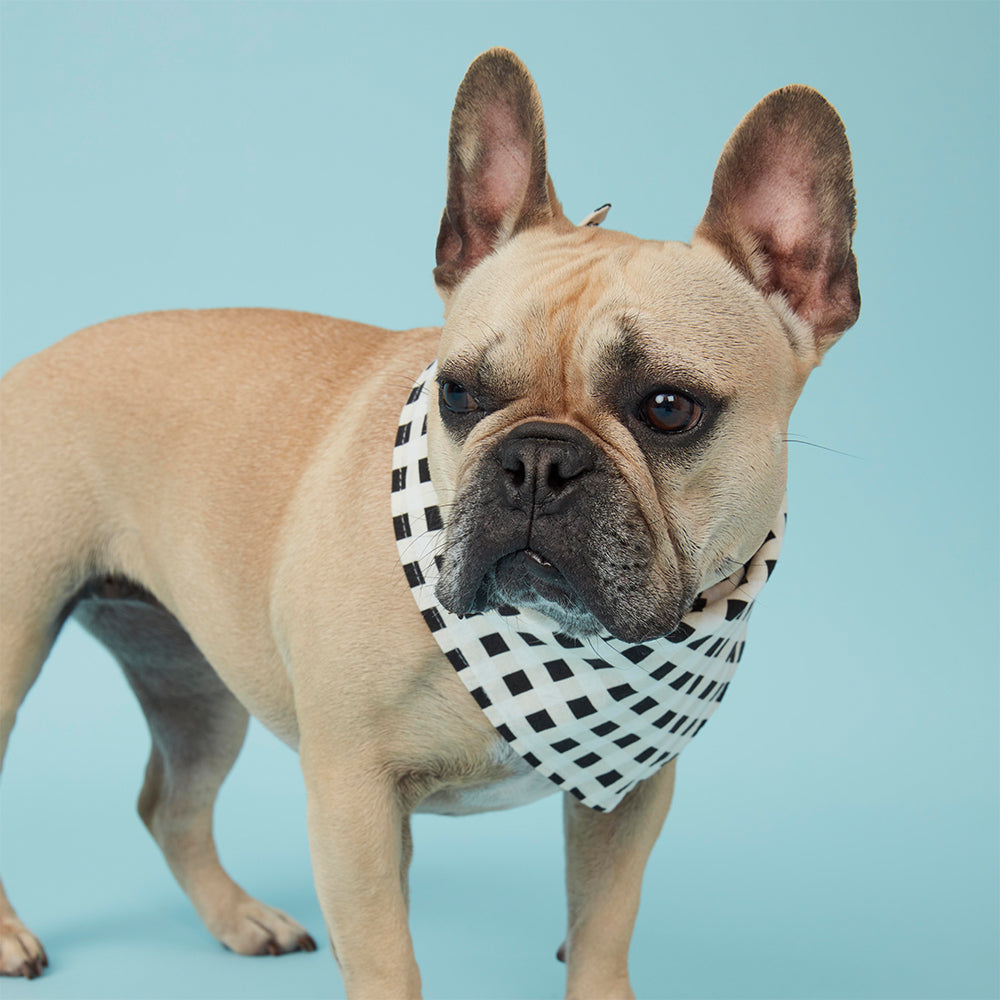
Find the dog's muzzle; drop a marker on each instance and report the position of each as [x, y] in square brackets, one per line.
[545, 521]
[541, 477]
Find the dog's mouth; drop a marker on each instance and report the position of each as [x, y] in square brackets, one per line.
[529, 569]
[581, 600]
[528, 579]
[537, 564]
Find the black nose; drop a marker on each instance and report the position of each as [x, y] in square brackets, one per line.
[542, 465]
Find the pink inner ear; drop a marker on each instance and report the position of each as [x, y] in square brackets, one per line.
[501, 175]
[782, 201]
[782, 207]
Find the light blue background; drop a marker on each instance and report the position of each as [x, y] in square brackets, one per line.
[834, 832]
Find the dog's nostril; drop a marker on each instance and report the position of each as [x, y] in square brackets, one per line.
[564, 468]
[515, 470]
[556, 479]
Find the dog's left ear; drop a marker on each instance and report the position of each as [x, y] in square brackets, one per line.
[497, 179]
[782, 208]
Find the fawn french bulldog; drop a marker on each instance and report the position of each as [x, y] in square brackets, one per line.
[523, 568]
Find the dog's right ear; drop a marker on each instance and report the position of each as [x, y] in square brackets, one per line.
[497, 179]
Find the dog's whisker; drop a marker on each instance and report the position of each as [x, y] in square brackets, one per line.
[822, 447]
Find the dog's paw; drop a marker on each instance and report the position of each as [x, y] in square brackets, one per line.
[255, 929]
[21, 953]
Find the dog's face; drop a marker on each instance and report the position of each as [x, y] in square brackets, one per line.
[609, 434]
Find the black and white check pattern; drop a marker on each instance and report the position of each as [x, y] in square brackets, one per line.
[594, 716]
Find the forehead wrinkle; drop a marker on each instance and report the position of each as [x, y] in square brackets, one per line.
[501, 371]
[633, 351]
[572, 316]
[561, 306]
[625, 348]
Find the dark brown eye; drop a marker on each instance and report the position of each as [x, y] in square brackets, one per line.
[669, 412]
[457, 398]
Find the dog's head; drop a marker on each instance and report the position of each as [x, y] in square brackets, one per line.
[609, 433]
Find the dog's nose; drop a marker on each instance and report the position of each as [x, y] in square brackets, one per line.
[542, 464]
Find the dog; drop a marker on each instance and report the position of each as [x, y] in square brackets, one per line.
[343, 530]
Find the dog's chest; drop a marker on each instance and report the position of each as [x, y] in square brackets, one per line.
[518, 784]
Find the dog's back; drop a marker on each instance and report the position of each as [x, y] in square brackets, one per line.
[247, 392]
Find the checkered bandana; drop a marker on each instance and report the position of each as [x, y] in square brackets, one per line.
[594, 716]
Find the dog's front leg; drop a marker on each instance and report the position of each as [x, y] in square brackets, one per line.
[358, 836]
[606, 854]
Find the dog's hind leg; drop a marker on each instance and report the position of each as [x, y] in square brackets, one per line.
[23, 648]
[197, 728]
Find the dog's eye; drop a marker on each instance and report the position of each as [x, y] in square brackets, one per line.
[457, 398]
[669, 412]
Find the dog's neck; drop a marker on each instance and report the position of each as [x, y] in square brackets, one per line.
[595, 716]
